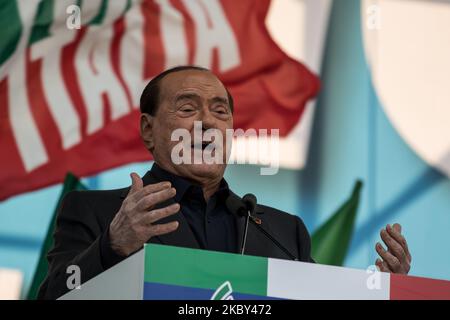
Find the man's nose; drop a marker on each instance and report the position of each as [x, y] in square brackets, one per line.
[208, 120]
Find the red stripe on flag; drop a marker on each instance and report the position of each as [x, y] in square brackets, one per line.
[8, 146]
[119, 26]
[416, 288]
[69, 72]
[153, 46]
[40, 109]
[189, 30]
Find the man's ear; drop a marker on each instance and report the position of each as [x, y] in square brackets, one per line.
[147, 131]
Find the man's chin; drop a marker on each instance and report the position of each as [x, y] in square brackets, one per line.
[205, 170]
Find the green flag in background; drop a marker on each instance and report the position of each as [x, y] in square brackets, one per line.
[330, 242]
[70, 183]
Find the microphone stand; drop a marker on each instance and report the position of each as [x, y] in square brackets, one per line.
[250, 203]
[244, 237]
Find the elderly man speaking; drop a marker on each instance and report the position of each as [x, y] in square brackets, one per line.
[180, 204]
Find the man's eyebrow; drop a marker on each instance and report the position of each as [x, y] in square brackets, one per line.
[186, 96]
[194, 96]
[220, 100]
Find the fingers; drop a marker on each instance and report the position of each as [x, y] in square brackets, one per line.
[392, 262]
[382, 266]
[160, 229]
[393, 246]
[136, 182]
[396, 258]
[395, 232]
[158, 214]
[149, 189]
[150, 200]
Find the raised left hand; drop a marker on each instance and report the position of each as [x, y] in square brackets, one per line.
[396, 259]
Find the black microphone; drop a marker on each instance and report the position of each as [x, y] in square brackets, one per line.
[250, 202]
[246, 206]
[238, 207]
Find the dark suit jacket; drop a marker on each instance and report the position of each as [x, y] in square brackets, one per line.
[81, 236]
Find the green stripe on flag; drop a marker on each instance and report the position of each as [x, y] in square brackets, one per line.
[42, 21]
[98, 19]
[205, 269]
[11, 27]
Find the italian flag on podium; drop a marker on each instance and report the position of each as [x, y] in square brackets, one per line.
[174, 273]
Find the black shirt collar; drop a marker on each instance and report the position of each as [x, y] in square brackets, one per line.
[182, 185]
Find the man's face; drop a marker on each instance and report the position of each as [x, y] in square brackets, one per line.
[188, 96]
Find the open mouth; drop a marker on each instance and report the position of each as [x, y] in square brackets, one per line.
[202, 145]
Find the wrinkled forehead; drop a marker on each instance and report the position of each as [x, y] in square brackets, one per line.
[203, 83]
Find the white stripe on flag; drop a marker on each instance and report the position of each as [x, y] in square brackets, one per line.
[305, 281]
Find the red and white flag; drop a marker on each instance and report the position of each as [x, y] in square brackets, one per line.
[69, 97]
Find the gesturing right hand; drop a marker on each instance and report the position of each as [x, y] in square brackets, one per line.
[134, 224]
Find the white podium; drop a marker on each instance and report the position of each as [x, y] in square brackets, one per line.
[174, 273]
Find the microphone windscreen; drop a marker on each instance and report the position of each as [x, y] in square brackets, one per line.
[250, 201]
